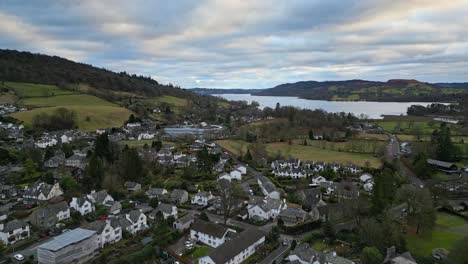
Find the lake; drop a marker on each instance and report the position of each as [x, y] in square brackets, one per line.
[373, 110]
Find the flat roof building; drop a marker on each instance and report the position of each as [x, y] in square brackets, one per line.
[75, 246]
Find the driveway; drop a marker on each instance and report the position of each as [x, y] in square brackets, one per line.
[30, 250]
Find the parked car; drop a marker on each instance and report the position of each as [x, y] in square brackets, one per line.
[18, 257]
[43, 235]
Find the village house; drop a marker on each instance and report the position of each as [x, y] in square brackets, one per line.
[367, 182]
[133, 222]
[56, 161]
[263, 209]
[49, 215]
[202, 198]
[303, 254]
[132, 186]
[179, 196]
[7, 191]
[76, 161]
[208, 233]
[100, 197]
[14, 231]
[267, 187]
[317, 180]
[167, 210]
[238, 249]
[107, 231]
[184, 222]
[311, 198]
[41, 191]
[392, 257]
[295, 173]
[292, 216]
[82, 205]
[156, 193]
[443, 166]
[75, 246]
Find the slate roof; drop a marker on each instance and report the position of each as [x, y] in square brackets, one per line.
[178, 193]
[440, 163]
[37, 188]
[99, 196]
[267, 184]
[305, 252]
[266, 204]
[134, 215]
[82, 200]
[165, 208]
[234, 247]
[155, 191]
[52, 209]
[97, 226]
[185, 219]
[13, 225]
[209, 228]
[68, 238]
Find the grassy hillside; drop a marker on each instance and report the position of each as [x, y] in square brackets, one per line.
[90, 118]
[27, 90]
[304, 152]
[92, 112]
[66, 100]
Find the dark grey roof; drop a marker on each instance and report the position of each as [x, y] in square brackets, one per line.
[99, 196]
[185, 219]
[155, 191]
[440, 163]
[51, 209]
[233, 247]
[209, 228]
[306, 253]
[68, 238]
[13, 225]
[134, 215]
[293, 213]
[178, 193]
[267, 184]
[97, 226]
[82, 200]
[37, 188]
[165, 208]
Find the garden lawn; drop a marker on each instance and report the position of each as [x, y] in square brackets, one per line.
[304, 153]
[200, 252]
[448, 220]
[422, 245]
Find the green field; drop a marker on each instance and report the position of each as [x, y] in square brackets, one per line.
[449, 229]
[200, 252]
[355, 146]
[26, 90]
[66, 100]
[304, 153]
[173, 101]
[99, 116]
[352, 97]
[382, 137]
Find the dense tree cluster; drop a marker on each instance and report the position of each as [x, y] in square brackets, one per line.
[61, 118]
[435, 108]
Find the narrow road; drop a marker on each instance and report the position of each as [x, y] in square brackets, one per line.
[275, 255]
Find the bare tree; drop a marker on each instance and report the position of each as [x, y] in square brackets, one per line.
[230, 194]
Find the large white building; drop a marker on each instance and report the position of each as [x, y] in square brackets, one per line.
[41, 191]
[264, 209]
[208, 233]
[82, 205]
[238, 249]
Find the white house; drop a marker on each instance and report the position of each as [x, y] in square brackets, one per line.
[14, 231]
[82, 205]
[41, 191]
[267, 187]
[202, 198]
[101, 197]
[208, 233]
[145, 136]
[368, 182]
[241, 168]
[225, 176]
[45, 143]
[167, 210]
[317, 180]
[133, 222]
[108, 231]
[329, 187]
[65, 139]
[238, 249]
[236, 175]
[263, 209]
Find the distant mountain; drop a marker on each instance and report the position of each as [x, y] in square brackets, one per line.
[19, 66]
[354, 90]
[453, 85]
[208, 91]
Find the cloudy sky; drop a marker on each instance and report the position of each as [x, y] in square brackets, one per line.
[248, 44]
